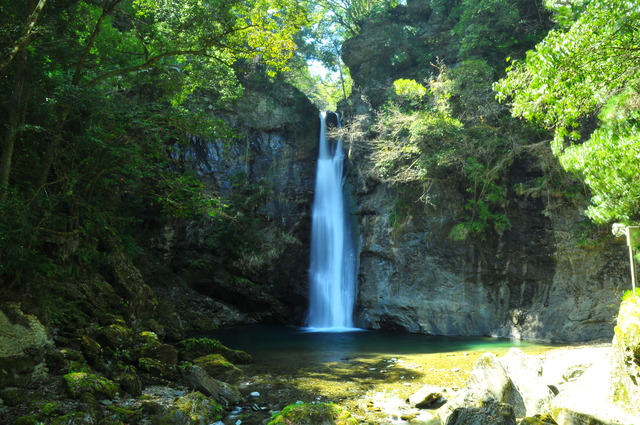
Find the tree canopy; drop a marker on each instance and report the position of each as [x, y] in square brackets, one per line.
[98, 93]
[588, 67]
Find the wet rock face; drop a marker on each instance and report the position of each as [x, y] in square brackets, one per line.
[267, 169]
[533, 281]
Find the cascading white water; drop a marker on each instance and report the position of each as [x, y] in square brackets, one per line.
[333, 266]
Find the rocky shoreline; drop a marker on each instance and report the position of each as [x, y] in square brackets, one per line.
[114, 375]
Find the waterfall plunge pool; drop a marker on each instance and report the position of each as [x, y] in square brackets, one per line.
[362, 371]
[284, 348]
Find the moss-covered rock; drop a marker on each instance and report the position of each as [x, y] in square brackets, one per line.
[79, 383]
[625, 371]
[217, 366]
[124, 414]
[61, 361]
[116, 336]
[129, 284]
[12, 396]
[23, 345]
[149, 345]
[155, 372]
[487, 412]
[130, 382]
[193, 348]
[26, 420]
[192, 409]
[545, 419]
[313, 414]
[91, 350]
[75, 418]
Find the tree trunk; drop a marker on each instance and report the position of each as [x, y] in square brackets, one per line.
[12, 129]
[23, 42]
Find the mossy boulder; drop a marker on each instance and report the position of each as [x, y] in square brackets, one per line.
[217, 366]
[192, 348]
[130, 285]
[192, 409]
[154, 371]
[91, 350]
[487, 412]
[124, 414]
[24, 344]
[12, 396]
[75, 418]
[79, 383]
[150, 346]
[313, 414]
[545, 419]
[130, 382]
[625, 371]
[116, 336]
[222, 392]
[26, 420]
[61, 361]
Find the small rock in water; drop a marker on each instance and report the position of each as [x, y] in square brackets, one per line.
[255, 394]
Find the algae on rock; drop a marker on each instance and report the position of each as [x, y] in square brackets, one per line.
[313, 414]
[625, 371]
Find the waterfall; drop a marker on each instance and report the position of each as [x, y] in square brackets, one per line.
[332, 273]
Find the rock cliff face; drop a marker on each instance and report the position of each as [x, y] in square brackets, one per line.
[253, 258]
[534, 281]
[531, 282]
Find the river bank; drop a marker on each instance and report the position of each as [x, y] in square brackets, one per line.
[374, 387]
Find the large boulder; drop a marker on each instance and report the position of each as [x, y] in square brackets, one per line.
[79, 383]
[220, 368]
[488, 412]
[586, 399]
[515, 379]
[192, 409]
[198, 379]
[625, 356]
[313, 414]
[428, 397]
[525, 372]
[23, 345]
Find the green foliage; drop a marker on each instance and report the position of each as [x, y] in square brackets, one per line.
[486, 27]
[410, 90]
[418, 142]
[201, 344]
[630, 294]
[351, 14]
[570, 76]
[107, 97]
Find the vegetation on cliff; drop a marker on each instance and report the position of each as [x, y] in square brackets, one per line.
[101, 95]
[98, 96]
[581, 82]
